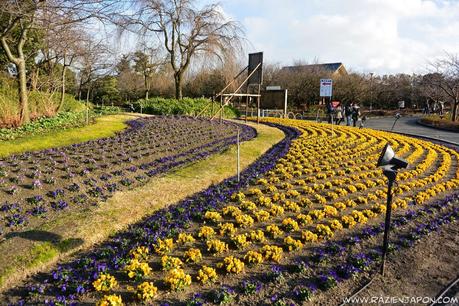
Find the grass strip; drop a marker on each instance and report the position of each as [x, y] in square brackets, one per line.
[105, 126]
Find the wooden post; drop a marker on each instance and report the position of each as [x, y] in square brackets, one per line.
[258, 110]
[221, 109]
[246, 107]
[212, 111]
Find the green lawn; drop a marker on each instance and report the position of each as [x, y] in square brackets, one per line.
[105, 126]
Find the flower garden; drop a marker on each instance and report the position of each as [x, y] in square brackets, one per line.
[304, 218]
[41, 185]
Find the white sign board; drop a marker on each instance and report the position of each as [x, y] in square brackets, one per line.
[273, 88]
[326, 87]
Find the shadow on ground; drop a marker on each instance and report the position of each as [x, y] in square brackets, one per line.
[36, 235]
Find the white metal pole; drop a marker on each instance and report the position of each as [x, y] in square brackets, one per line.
[285, 102]
[238, 157]
[87, 113]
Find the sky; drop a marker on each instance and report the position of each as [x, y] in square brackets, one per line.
[379, 36]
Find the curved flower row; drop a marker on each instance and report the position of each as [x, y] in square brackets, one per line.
[65, 284]
[326, 186]
[35, 185]
[347, 263]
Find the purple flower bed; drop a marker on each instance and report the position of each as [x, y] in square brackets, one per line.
[63, 285]
[42, 184]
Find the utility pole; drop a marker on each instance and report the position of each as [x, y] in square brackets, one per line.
[371, 91]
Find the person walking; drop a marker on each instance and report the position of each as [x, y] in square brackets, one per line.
[355, 113]
[442, 108]
[339, 114]
[330, 112]
[427, 108]
[348, 113]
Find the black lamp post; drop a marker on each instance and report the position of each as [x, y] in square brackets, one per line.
[397, 116]
[390, 164]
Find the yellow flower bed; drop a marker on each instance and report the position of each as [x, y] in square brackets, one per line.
[184, 238]
[140, 253]
[146, 291]
[227, 229]
[216, 246]
[292, 244]
[212, 216]
[207, 275]
[177, 279]
[253, 257]
[105, 282]
[244, 220]
[325, 185]
[231, 264]
[206, 232]
[137, 269]
[110, 300]
[290, 225]
[169, 262]
[193, 255]
[164, 246]
[272, 252]
[241, 241]
[274, 231]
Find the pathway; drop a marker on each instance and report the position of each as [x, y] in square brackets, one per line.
[409, 125]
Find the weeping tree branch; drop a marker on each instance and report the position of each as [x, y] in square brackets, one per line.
[185, 32]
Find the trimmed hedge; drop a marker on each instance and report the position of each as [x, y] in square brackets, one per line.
[186, 106]
[107, 110]
[440, 123]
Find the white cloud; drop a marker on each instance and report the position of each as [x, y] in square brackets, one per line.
[383, 36]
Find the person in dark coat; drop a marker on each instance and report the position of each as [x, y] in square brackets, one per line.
[355, 113]
[329, 112]
[348, 113]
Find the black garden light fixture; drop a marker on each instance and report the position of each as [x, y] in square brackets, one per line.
[397, 117]
[390, 164]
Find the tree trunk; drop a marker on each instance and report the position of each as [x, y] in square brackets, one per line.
[34, 79]
[147, 89]
[178, 86]
[22, 90]
[61, 103]
[455, 106]
[87, 94]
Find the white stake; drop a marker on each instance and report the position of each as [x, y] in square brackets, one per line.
[238, 157]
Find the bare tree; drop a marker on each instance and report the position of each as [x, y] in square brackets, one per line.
[186, 32]
[429, 89]
[19, 18]
[92, 64]
[447, 80]
[62, 45]
[351, 88]
[147, 64]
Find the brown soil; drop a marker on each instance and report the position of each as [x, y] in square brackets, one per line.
[423, 270]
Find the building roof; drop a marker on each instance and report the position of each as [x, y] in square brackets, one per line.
[331, 67]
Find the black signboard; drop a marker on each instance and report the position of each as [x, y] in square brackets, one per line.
[256, 59]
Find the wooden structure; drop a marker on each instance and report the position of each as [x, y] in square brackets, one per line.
[252, 84]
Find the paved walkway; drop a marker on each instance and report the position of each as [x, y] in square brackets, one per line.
[408, 125]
